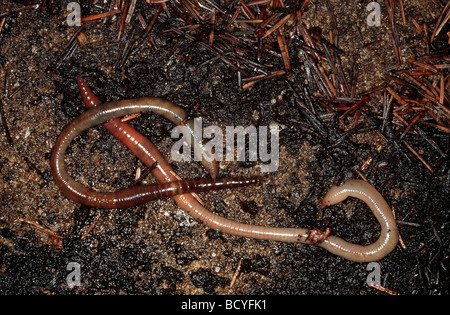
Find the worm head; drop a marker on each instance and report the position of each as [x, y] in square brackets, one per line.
[333, 196]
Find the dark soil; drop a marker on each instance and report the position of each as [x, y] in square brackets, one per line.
[158, 249]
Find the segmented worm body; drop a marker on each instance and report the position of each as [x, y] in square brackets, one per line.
[137, 194]
[389, 232]
[352, 188]
[168, 110]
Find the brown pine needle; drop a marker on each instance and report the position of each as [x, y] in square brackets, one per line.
[284, 52]
[383, 289]
[442, 20]
[41, 228]
[396, 96]
[413, 121]
[100, 15]
[362, 176]
[236, 273]
[277, 26]
[418, 156]
[91, 226]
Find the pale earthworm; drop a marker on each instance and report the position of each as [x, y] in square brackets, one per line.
[354, 188]
[389, 235]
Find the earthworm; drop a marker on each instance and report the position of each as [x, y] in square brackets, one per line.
[134, 195]
[173, 113]
[389, 232]
[351, 188]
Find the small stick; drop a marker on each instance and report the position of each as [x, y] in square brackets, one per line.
[23, 9]
[264, 76]
[361, 175]
[253, 80]
[130, 11]
[277, 25]
[124, 14]
[130, 117]
[441, 21]
[39, 227]
[258, 2]
[401, 222]
[126, 51]
[19, 87]
[396, 96]
[6, 84]
[149, 28]
[383, 289]
[413, 121]
[400, 239]
[156, 1]
[5, 125]
[211, 34]
[423, 65]
[303, 8]
[418, 156]
[100, 15]
[2, 23]
[438, 126]
[370, 159]
[236, 273]
[284, 52]
[91, 226]
[247, 11]
[356, 106]
[328, 82]
[402, 10]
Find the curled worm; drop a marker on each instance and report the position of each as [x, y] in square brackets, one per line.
[133, 195]
[168, 110]
[163, 172]
[389, 232]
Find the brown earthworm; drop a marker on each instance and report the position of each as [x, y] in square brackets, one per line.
[134, 195]
[354, 188]
[173, 113]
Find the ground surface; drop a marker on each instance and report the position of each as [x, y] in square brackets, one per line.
[159, 249]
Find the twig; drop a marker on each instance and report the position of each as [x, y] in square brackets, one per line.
[91, 226]
[39, 227]
[383, 289]
[236, 273]
[418, 156]
[442, 20]
[5, 125]
[23, 9]
[100, 15]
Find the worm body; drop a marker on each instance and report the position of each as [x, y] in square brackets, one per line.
[133, 195]
[389, 232]
[168, 110]
[137, 195]
[163, 172]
